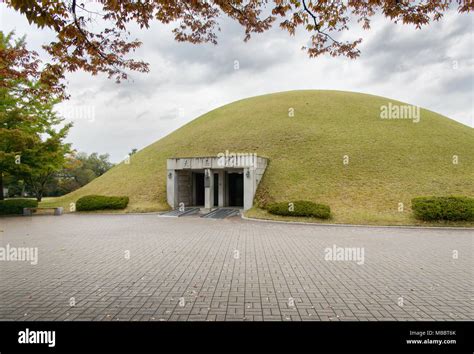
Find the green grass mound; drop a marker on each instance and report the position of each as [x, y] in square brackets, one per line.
[443, 208]
[100, 202]
[15, 206]
[300, 208]
[326, 146]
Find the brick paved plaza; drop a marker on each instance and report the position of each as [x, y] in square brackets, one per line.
[145, 267]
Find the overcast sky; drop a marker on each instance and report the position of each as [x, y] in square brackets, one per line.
[432, 68]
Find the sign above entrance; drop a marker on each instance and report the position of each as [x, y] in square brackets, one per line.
[207, 163]
[216, 162]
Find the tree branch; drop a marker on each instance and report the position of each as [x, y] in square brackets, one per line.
[84, 35]
[316, 25]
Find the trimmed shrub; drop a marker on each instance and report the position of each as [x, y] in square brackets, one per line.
[443, 208]
[300, 208]
[100, 202]
[15, 206]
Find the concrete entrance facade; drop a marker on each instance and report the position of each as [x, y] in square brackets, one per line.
[225, 180]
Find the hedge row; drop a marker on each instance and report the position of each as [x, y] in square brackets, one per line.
[100, 202]
[15, 206]
[424, 208]
[443, 208]
[300, 208]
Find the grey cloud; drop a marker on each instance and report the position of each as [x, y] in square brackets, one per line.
[458, 84]
[391, 51]
[256, 55]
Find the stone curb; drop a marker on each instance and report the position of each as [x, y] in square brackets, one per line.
[364, 226]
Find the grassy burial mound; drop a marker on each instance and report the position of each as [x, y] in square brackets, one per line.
[360, 154]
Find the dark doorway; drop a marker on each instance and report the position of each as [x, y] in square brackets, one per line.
[199, 188]
[216, 189]
[236, 189]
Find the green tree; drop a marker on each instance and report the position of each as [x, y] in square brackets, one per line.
[29, 142]
[79, 169]
[17, 133]
[40, 164]
[98, 164]
[15, 139]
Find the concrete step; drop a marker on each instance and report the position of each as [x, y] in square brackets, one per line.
[221, 213]
[176, 213]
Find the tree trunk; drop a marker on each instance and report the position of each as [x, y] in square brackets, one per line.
[39, 195]
[2, 197]
[39, 191]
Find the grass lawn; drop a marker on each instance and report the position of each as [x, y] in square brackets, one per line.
[390, 161]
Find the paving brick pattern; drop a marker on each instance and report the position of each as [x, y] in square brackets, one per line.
[192, 269]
